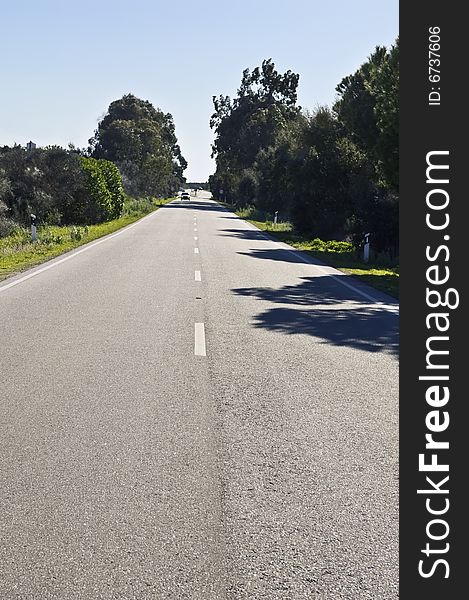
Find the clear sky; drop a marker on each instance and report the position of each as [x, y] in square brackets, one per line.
[64, 61]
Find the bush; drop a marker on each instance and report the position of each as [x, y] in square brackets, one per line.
[113, 181]
[78, 233]
[49, 238]
[330, 246]
[98, 207]
[7, 226]
[138, 206]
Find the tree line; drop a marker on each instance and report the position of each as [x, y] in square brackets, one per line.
[332, 172]
[134, 151]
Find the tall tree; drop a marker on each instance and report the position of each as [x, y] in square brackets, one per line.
[140, 139]
[251, 122]
[367, 106]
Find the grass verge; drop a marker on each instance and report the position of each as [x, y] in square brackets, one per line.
[18, 252]
[340, 255]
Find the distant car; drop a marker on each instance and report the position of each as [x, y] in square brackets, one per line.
[185, 196]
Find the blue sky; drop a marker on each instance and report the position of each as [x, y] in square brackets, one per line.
[63, 62]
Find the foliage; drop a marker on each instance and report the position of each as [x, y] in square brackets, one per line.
[78, 233]
[252, 122]
[113, 182]
[368, 107]
[141, 141]
[18, 252]
[333, 172]
[98, 208]
[58, 186]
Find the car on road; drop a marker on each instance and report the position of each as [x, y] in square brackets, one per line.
[185, 196]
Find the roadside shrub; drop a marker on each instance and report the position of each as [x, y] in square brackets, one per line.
[7, 226]
[138, 206]
[78, 233]
[98, 207]
[49, 238]
[113, 181]
[330, 246]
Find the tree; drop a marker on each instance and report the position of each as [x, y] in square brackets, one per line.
[252, 122]
[141, 141]
[384, 85]
[368, 108]
[319, 178]
[333, 173]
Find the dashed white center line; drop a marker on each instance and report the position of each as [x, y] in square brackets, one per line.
[196, 250]
[197, 276]
[199, 342]
[195, 237]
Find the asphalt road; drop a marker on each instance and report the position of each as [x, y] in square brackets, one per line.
[190, 410]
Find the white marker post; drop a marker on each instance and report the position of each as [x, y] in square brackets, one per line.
[33, 227]
[276, 217]
[366, 248]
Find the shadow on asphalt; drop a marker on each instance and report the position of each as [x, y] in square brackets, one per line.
[316, 307]
[194, 204]
[275, 254]
[376, 282]
[244, 234]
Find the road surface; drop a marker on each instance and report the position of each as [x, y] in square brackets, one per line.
[191, 410]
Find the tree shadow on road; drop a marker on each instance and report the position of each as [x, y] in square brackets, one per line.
[194, 204]
[323, 308]
[280, 254]
[376, 280]
[245, 234]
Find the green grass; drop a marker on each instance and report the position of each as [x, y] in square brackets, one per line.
[340, 255]
[18, 252]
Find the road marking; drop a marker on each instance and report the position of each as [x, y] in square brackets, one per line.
[76, 253]
[324, 269]
[196, 250]
[195, 237]
[197, 276]
[337, 278]
[199, 342]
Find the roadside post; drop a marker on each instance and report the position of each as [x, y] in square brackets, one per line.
[366, 248]
[33, 227]
[275, 218]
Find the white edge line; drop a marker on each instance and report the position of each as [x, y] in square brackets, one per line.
[199, 340]
[75, 253]
[298, 254]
